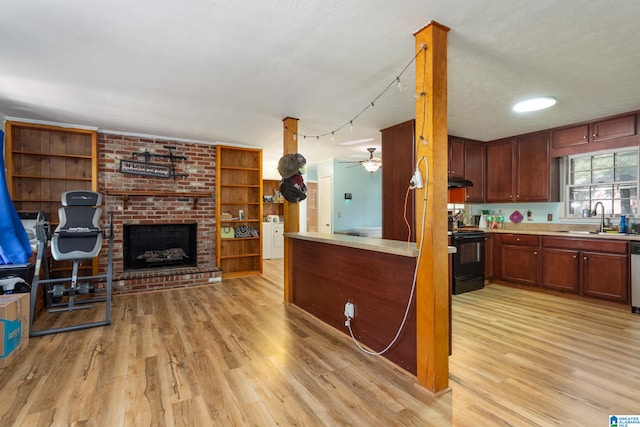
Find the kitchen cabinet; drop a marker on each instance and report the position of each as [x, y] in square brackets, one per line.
[500, 171]
[592, 267]
[456, 157]
[488, 256]
[521, 169]
[520, 258]
[614, 132]
[474, 170]
[567, 137]
[560, 269]
[239, 188]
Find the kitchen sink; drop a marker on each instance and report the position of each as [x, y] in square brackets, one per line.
[591, 232]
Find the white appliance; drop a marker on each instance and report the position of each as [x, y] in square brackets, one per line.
[273, 218]
[277, 242]
[635, 277]
[272, 240]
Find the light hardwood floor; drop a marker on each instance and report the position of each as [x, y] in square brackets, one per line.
[232, 354]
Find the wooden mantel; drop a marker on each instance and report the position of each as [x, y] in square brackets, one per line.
[145, 193]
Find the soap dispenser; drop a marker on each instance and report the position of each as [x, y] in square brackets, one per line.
[623, 224]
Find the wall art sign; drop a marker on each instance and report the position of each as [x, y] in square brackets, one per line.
[146, 169]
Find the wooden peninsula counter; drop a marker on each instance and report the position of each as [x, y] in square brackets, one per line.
[376, 275]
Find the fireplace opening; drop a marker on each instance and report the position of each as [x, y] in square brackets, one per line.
[159, 246]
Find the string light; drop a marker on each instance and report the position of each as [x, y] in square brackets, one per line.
[396, 81]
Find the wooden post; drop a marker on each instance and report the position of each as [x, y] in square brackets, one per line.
[432, 290]
[291, 210]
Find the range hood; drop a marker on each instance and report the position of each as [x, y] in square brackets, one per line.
[459, 183]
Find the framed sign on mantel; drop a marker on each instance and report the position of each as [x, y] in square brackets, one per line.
[146, 169]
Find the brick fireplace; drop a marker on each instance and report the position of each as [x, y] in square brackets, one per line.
[170, 208]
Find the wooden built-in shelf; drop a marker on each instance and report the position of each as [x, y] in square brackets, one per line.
[63, 178]
[61, 155]
[125, 194]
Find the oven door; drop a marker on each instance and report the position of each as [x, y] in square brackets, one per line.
[468, 261]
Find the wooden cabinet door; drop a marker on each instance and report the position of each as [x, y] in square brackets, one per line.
[605, 276]
[568, 137]
[614, 128]
[520, 264]
[474, 171]
[488, 257]
[456, 157]
[560, 269]
[533, 168]
[500, 171]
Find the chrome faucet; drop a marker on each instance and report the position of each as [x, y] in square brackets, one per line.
[595, 212]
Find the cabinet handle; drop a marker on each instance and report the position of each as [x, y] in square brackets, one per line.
[511, 196]
[585, 258]
[575, 256]
[584, 137]
[517, 239]
[535, 252]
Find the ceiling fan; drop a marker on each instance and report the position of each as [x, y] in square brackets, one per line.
[371, 164]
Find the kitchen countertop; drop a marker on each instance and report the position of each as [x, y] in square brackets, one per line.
[394, 247]
[557, 233]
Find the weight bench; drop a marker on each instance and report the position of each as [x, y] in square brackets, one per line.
[77, 237]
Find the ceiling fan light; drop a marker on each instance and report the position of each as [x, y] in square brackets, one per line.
[372, 164]
[534, 104]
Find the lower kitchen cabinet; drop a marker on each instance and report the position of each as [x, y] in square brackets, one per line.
[520, 258]
[605, 276]
[560, 268]
[488, 257]
[596, 268]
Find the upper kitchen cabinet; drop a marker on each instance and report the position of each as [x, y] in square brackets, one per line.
[456, 157]
[500, 171]
[614, 132]
[467, 161]
[521, 170]
[474, 170]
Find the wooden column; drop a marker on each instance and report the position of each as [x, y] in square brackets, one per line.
[291, 210]
[432, 291]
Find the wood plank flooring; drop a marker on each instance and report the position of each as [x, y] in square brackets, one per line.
[232, 354]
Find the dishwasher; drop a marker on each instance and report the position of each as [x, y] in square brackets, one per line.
[635, 277]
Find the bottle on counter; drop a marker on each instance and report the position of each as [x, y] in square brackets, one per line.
[500, 219]
[623, 224]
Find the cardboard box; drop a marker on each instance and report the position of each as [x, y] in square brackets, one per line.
[14, 326]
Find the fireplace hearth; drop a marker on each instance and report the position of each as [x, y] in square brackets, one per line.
[153, 246]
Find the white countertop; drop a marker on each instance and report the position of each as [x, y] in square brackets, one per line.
[394, 247]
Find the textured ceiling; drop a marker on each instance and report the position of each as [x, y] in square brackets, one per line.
[229, 72]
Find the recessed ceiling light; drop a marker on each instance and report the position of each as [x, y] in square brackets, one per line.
[534, 104]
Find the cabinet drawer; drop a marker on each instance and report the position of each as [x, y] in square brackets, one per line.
[520, 240]
[598, 245]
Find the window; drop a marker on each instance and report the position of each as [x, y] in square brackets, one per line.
[608, 177]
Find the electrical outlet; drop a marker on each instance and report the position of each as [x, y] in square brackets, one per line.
[416, 179]
[349, 310]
